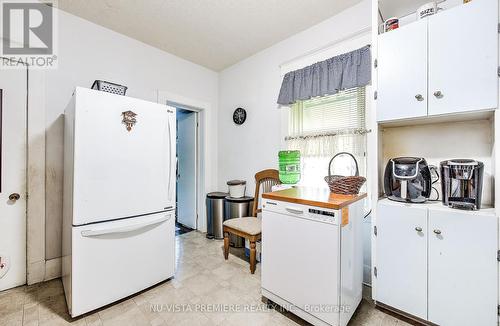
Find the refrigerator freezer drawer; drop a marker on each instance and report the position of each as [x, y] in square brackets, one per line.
[112, 260]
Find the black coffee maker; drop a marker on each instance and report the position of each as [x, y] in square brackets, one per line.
[462, 183]
[407, 179]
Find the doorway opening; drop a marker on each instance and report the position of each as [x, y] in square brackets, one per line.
[187, 150]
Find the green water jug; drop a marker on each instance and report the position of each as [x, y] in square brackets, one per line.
[289, 166]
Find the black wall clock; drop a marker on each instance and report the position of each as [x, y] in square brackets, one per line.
[239, 116]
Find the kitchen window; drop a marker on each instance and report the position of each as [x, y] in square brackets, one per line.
[323, 126]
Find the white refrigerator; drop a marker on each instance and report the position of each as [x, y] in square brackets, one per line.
[119, 198]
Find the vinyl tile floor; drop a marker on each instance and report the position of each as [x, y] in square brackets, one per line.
[203, 282]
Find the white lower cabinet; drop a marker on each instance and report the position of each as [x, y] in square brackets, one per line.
[402, 258]
[437, 263]
[462, 268]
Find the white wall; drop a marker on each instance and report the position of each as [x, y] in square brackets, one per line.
[87, 52]
[254, 84]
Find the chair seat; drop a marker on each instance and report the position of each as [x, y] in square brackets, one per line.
[249, 225]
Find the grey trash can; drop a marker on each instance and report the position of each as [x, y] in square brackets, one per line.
[237, 207]
[215, 214]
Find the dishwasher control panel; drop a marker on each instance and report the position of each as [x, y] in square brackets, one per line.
[313, 213]
[321, 212]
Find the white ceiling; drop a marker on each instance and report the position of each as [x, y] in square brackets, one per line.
[212, 33]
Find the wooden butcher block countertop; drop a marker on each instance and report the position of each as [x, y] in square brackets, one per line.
[319, 197]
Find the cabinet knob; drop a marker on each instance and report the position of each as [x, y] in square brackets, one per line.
[419, 97]
[437, 231]
[438, 94]
[418, 229]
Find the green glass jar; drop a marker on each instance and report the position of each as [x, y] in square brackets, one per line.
[289, 166]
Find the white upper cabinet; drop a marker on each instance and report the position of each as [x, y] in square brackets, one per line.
[463, 282]
[463, 58]
[402, 73]
[450, 59]
[401, 253]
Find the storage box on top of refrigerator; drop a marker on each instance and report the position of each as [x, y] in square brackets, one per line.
[119, 198]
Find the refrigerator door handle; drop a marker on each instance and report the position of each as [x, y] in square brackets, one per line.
[171, 167]
[124, 229]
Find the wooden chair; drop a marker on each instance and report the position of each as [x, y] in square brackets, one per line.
[250, 227]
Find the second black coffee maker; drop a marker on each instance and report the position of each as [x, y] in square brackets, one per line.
[407, 179]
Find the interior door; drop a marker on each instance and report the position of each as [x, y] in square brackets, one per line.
[463, 279]
[402, 257]
[13, 110]
[463, 58]
[186, 167]
[402, 73]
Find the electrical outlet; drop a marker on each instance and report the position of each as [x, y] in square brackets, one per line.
[4, 265]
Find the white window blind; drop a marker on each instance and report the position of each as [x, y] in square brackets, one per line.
[324, 126]
[343, 112]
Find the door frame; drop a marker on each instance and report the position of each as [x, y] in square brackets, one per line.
[37, 268]
[197, 155]
[201, 108]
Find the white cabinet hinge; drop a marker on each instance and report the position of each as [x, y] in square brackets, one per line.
[375, 271]
[375, 63]
[375, 229]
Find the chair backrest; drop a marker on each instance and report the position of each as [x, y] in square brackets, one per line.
[267, 179]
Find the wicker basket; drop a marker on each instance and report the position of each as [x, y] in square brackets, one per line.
[345, 185]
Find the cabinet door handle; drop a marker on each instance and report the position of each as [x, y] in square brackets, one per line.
[438, 94]
[418, 229]
[419, 97]
[437, 231]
